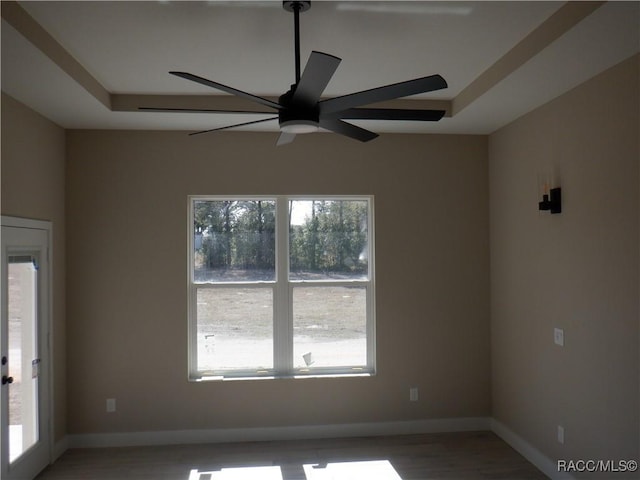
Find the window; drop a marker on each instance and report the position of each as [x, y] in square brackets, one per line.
[280, 286]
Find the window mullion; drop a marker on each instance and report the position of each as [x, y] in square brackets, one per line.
[192, 338]
[193, 332]
[371, 292]
[282, 328]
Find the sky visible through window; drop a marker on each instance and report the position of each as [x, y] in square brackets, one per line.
[300, 210]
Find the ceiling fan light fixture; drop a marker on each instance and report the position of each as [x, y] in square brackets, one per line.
[299, 126]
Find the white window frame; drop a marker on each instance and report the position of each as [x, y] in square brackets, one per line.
[282, 296]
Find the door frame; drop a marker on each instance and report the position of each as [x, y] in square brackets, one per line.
[47, 226]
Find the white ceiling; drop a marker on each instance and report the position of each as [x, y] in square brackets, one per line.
[129, 47]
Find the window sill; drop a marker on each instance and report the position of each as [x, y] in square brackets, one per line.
[220, 378]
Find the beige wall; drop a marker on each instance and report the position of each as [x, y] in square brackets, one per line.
[33, 181]
[127, 205]
[126, 226]
[577, 271]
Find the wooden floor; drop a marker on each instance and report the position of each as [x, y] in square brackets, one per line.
[464, 456]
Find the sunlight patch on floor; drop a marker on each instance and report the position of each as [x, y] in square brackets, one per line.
[238, 473]
[371, 470]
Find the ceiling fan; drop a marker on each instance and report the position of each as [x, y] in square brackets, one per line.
[300, 110]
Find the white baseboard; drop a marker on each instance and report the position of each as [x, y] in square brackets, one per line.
[172, 437]
[528, 451]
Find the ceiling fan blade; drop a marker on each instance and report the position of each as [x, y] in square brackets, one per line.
[388, 114]
[381, 94]
[285, 138]
[317, 73]
[199, 110]
[347, 129]
[234, 126]
[224, 88]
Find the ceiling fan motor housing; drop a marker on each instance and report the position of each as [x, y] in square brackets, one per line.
[296, 117]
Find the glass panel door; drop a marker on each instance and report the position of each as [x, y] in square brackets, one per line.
[24, 393]
[22, 300]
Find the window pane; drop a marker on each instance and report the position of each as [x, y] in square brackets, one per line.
[235, 328]
[329, 326]
[328, 239]
[234, 240]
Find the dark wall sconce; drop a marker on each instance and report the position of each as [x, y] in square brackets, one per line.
[551, 201]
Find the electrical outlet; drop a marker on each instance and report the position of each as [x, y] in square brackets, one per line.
[111, 405]
[558, 337]
[560, 434]
[413, 394]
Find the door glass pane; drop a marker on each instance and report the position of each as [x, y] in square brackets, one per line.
[234, 241]
[328, 239]
[235, 328]
[23, 355]
[329, 327]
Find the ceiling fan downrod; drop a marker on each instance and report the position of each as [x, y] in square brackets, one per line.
[296, 7]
